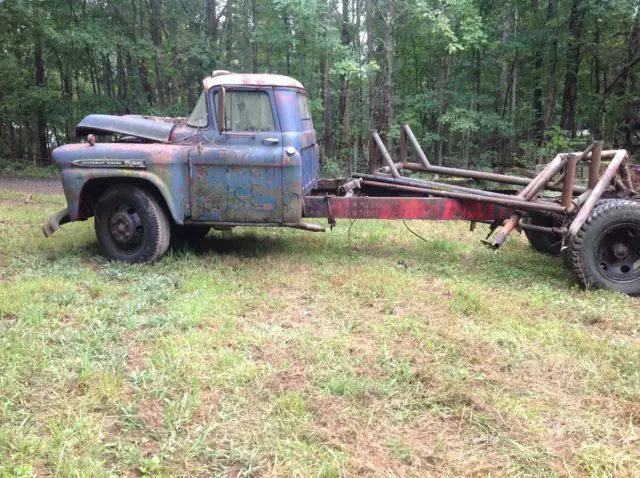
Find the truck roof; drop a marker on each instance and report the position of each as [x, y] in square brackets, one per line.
[249, 79]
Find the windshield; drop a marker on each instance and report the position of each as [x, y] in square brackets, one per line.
[198, 117]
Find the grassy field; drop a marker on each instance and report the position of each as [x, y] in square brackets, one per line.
[284, 353]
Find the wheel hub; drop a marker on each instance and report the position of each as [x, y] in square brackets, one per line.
[125, 227]
[121, 227]
[620, 250]
[619, 253]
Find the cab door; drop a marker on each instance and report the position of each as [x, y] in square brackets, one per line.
[236, 175]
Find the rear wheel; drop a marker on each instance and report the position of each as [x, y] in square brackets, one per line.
[546, 242]
[605, 253]
[130, 225]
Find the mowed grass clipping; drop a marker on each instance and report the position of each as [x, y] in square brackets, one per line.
[283, 353]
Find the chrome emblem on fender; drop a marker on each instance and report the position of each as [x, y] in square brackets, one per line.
[110, 163]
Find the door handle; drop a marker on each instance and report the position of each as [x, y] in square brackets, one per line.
[270, 140]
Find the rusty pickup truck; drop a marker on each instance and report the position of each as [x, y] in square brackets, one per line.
[247, 155]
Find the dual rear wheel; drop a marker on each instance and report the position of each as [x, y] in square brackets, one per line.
[605, 253]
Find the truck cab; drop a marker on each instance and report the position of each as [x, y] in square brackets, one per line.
[246, 155]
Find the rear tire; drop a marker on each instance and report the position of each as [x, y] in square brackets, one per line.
[130, 225]
[605, 253]
[545, 242]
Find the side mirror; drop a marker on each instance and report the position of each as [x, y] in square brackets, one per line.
[220, 111]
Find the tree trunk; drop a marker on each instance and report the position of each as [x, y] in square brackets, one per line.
[121, 78]
[229, 40]
[552, 83]
[631, 119]
[328, 110]
[143, 69]
[570, 94]
[329, 144]
[346, 40]
[155, 30]
[505, 64]
[445, 73]
[373, 123]
[107, 75]
[286, 18]
[513, 143]
[41, 122]
[212, 21]
[387, 90]
[254, 45]
[538, 61]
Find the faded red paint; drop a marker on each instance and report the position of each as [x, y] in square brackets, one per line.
[402, 208]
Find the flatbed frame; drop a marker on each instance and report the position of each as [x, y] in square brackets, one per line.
[385, 193]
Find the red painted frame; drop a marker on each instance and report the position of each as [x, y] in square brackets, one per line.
[402, 208]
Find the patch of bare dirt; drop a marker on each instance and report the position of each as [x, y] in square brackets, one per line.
[152, 414]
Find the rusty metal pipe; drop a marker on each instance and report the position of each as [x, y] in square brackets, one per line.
[373, 153]
[434, 184]
[416, 145]
[579, 158]
[511, 202]
[569, 180]
[465, 173]
[533, 227]
[540, 181]
[482, 175]
[305, 226]
[626, 176]
[599, 188]
[527, 194]
[403, 146]
[594, 166]
[385, 154]
[506, 229]
[580, 200]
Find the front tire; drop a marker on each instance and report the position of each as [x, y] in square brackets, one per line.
[605, 253]
[130, 225]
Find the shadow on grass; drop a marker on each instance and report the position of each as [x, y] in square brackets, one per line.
[450, 260]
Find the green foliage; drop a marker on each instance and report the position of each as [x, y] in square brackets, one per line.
[466, 74]
[458, 22]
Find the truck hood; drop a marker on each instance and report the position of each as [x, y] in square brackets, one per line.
[155, 129]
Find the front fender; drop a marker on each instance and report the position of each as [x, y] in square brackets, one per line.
[162, 167]
[76, 182]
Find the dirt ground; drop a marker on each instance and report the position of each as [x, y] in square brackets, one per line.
[31, 185]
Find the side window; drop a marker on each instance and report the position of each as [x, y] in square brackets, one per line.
[247, 111]
[303, 106]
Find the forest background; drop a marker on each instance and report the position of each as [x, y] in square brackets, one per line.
[483, 83]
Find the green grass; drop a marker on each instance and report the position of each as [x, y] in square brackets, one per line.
[284, 353]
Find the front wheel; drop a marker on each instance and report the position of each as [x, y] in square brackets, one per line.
[605, 253]
[130, 225]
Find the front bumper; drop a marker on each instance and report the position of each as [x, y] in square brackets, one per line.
[55, 221]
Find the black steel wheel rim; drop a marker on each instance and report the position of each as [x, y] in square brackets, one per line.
[618, 252]
[126, 228]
